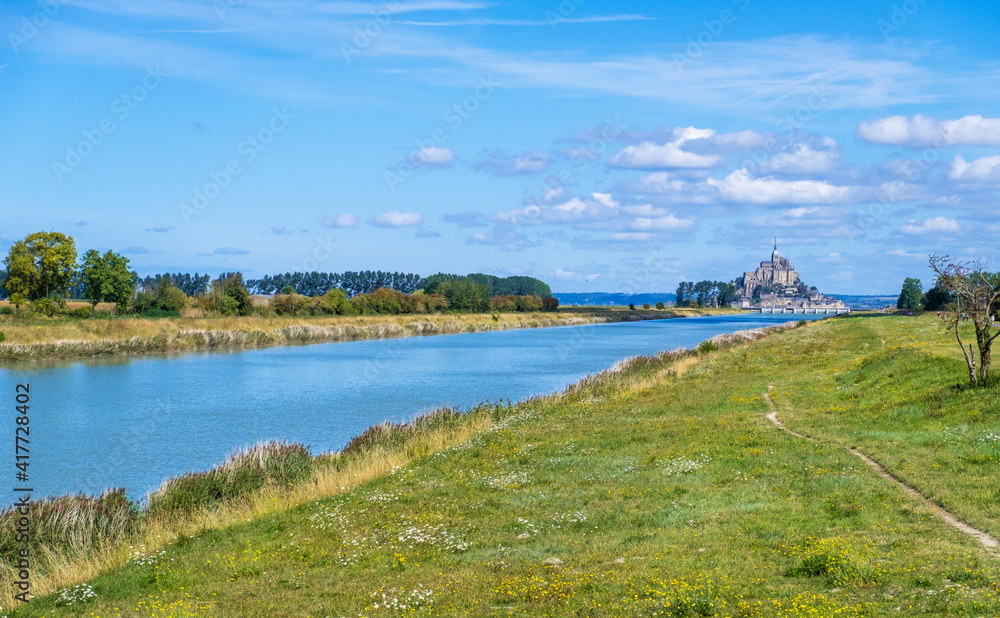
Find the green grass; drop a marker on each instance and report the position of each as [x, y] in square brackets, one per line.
[656, 489]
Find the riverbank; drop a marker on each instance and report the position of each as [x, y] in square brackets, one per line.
[657, 487]
[50, 338]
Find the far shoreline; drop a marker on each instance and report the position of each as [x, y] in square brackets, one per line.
[56, 339]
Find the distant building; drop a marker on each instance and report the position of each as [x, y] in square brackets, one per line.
[774, 274]
[776, 284]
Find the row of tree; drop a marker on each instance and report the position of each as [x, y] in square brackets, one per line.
[42, 269]
[317, 283]
[912, 296]
[705, 293]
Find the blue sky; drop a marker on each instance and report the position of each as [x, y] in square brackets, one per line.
[598, 146]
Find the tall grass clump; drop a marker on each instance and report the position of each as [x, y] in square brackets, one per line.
[244, 472]
[71, 524]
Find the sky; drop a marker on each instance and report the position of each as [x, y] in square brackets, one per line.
[598, 146]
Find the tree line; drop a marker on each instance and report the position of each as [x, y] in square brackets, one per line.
[42, 271]
[705, 294]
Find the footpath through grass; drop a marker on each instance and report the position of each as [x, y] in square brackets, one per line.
[656, 489]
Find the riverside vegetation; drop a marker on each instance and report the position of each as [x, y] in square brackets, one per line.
[658, 487]
[24, 338]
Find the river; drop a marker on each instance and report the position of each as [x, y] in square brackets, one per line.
[133, 421]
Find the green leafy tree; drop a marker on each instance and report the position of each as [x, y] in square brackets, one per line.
[21, 273]
[911, 297]
[230, 296]
[107, 279]
[465, 295]
[659, 305]
[53, 255]
[937, 298]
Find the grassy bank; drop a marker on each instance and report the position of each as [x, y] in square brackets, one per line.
[38, 338]
[656, 488]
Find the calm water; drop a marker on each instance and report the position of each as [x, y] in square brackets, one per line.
[132, 422]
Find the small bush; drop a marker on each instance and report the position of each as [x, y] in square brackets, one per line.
[707, 346]
[244, 472]
[659, 305]
[6, 310]
[81, 312]
[3, 337]
[45, 306]
[646, 306]
[550, 303]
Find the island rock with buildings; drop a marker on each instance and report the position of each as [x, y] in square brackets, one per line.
[775, 286]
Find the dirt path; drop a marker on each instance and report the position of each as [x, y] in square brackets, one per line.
[987, 541]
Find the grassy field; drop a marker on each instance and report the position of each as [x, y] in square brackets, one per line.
[657, 488]
[62, 337]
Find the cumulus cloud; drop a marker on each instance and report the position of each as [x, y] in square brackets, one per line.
[937, 225]
[345, 220]
[433, 157]
[922, 131]
[670, 223]
[669, 154]
[596, 207]
[499, 163]
[981, 170]
[561, 274]
[740, 187]
[803, 159]
[395, 218]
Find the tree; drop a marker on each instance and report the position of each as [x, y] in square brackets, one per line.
[937, 298]
[54, 257]
[230, 296]
[21, 273]
[107, 279]
[659, 305]
[911, 296]
[976, 294]
[727, 293]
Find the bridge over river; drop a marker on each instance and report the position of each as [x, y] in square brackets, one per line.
[819, 310]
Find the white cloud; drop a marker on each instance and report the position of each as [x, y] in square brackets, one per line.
[937, 225]
[433, 157]
[597, 207]
[741, 188]
[803, 160]
[394, 218]
[650, 155]
[922, 131]
[345, 220]
[659, 224]
[983, 169]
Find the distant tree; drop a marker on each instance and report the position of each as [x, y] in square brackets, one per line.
[550, 303]
[107, 279]
[54, 255]
[976, 293]
[288, 289]
[3, 289]
[727, 293]
[937, 298]
[464, 295]
[911, 296]
[659, 305]
[21, 273]
[631, 306]
[230, 296]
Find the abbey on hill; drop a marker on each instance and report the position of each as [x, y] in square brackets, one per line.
[777, 284]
